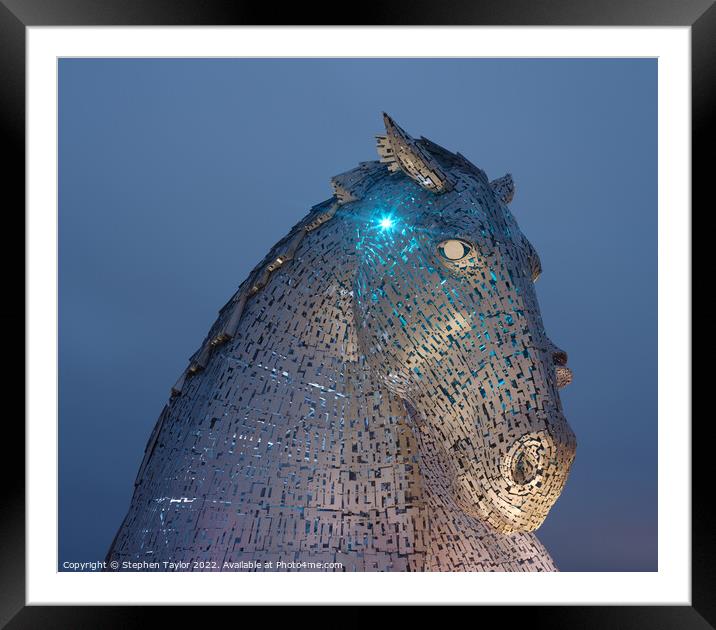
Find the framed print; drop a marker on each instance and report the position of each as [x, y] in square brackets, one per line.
[407, 302]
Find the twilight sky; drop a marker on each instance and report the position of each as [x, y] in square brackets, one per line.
[177, 176]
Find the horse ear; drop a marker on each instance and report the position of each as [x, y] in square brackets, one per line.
[400, 152]
[504, 188]
[352, 185]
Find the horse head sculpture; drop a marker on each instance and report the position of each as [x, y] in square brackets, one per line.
[379, 394]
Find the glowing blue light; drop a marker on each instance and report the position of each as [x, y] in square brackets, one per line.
[386, 223]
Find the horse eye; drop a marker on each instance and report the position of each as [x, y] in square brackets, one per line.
[455, 249]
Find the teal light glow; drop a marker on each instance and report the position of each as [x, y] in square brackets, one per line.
[386, 223]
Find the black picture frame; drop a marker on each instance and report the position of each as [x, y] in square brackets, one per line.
[17, 15]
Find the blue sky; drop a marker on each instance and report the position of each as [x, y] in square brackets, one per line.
[177, 176]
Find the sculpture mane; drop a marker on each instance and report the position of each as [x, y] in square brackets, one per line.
[348, 410]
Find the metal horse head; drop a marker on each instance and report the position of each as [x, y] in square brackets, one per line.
[448, 318]
[380, 391]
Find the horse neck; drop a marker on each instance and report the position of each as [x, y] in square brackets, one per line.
[297, 348]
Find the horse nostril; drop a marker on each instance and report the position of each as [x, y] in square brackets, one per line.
[524, 462]
[564, 374]
[524, 468]
[559, 357]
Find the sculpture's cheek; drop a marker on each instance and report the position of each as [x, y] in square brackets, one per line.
[416, 339]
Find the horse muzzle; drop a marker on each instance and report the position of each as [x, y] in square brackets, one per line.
[518, 493]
